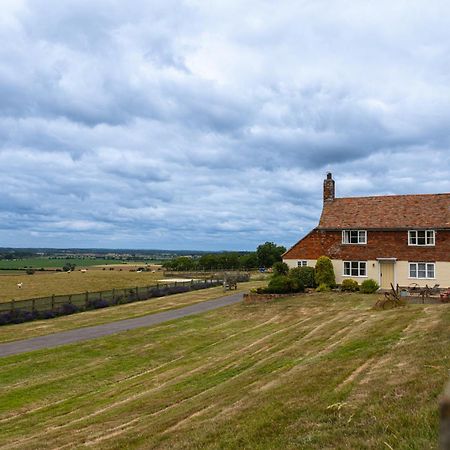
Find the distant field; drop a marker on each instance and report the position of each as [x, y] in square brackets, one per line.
[321, 371]
[71, 283]
[37, 263]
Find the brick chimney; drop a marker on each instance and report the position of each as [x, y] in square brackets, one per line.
[328, 188]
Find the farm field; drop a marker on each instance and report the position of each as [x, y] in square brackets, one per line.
[311, 372]
[71, 283]
[37, 263]
[126, 311]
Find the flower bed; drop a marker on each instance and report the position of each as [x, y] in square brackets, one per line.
[258, 298]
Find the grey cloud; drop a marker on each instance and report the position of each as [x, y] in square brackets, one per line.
[186, 125]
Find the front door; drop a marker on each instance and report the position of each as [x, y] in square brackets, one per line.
[386, 274]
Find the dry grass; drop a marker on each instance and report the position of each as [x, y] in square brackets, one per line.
[127, 311]
[38, 285]
[312, 372]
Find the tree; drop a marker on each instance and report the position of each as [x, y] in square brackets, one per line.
[325, 272]
[69, 267]
[269, 253]
[248, 261]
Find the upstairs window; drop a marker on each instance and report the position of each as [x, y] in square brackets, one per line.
[302, 263]
[421, 270]
[355, 268]
[421, 237]
[354, 237]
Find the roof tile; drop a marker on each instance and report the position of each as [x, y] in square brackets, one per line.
[388, 211]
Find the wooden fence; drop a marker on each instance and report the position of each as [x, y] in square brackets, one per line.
[88, 300]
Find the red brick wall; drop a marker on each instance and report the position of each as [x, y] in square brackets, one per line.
[380, 244]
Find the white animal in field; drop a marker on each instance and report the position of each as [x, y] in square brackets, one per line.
[19, 285]
[83, 270]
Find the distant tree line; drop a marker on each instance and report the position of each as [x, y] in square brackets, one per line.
[266, 255]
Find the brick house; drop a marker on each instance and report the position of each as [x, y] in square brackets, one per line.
[401, 239]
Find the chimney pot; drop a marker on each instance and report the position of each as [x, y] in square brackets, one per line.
[328, 188]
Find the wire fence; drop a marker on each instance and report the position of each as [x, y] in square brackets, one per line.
[16, 311]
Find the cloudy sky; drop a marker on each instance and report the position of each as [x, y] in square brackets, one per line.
[211, 124]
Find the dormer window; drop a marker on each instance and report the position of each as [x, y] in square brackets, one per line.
[354, 237]
[421, 237]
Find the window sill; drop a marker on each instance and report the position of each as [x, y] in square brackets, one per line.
[421, 245]
[355, 276]
[417, 278]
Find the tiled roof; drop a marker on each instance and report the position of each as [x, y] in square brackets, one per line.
[388, 211]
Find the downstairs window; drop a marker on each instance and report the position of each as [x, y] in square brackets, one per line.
[422, 270]
[355, 268]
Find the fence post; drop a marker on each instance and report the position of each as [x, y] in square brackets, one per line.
[33, 305]
[114, 295]
[53, 302]
[86, 299]
[70, 299]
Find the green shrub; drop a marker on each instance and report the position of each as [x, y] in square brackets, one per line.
[282, 284]
[323, 288]
[280, 268]
[306, 275]
[349, 285]
[30, 271]
[369, 286]
[325, 272]
[279, 284]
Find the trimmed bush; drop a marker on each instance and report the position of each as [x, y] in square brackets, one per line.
[325, 272]
[369, 286]
[349, 285]
[279, 284]
[306, 275]
[280, 268]
[282, 284]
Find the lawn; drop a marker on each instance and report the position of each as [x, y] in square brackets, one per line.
[42, 285]
[308, 372]
[127, 311]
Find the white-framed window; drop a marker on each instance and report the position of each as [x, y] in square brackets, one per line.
[354, 237]
[355, 268]
[421, 237]
[422, 270]
[302, 263]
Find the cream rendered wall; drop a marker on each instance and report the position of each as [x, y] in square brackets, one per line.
[442, 275]
[401, 272]
[372, 271]
[294, 262]
[338, 266]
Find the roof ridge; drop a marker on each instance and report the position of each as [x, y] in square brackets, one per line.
[394, 195]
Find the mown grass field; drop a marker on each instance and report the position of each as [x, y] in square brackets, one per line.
[72, 283]
[127, 311]
[319, 371]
